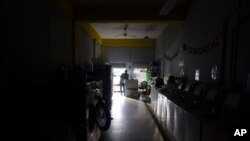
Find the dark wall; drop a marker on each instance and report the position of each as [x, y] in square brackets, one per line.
[243, 51]
[168, 44]
[37, 38]
[83, 47]
[204, 23]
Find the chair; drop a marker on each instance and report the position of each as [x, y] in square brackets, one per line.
[144, 90]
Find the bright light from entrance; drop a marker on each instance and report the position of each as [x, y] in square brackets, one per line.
[140, 74]
[116, 72]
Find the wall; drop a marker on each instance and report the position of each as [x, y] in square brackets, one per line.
[83, 47]
[242, 64]
[168, 44]
[97, 50]
[61, 40]
[38, 38]
[129, 54]
[204, 22]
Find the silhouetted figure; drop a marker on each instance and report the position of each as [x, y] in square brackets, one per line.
[159, 82]
[171, 83]
[123, 79]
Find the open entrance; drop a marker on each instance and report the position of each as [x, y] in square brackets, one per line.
[116, 73]
[140, 74]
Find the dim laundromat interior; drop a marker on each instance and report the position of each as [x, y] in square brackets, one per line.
[126, 70]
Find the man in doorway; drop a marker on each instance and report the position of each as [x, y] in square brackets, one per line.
[124, 76]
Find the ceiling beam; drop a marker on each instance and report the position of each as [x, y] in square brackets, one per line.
[100, 13]
[66, 7]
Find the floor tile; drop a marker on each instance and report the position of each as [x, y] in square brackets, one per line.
[131, 122]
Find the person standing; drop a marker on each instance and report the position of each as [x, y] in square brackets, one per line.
[124, 76]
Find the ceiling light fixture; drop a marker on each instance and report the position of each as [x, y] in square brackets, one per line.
[125, 34]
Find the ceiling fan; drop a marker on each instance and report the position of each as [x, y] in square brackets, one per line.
[125, 34]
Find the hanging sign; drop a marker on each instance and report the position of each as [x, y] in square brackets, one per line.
[205, 48]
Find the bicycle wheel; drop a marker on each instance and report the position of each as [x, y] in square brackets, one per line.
[90, 122]
[102, 116]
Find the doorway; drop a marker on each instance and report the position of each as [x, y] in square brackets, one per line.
[140, 74]
[116, 73]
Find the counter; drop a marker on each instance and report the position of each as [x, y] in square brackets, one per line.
[182, 124]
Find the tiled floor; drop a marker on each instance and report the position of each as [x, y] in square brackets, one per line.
[131, 122]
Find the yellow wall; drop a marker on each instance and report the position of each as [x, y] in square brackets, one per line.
[116, 42]
[128, 42]
[93, 34]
